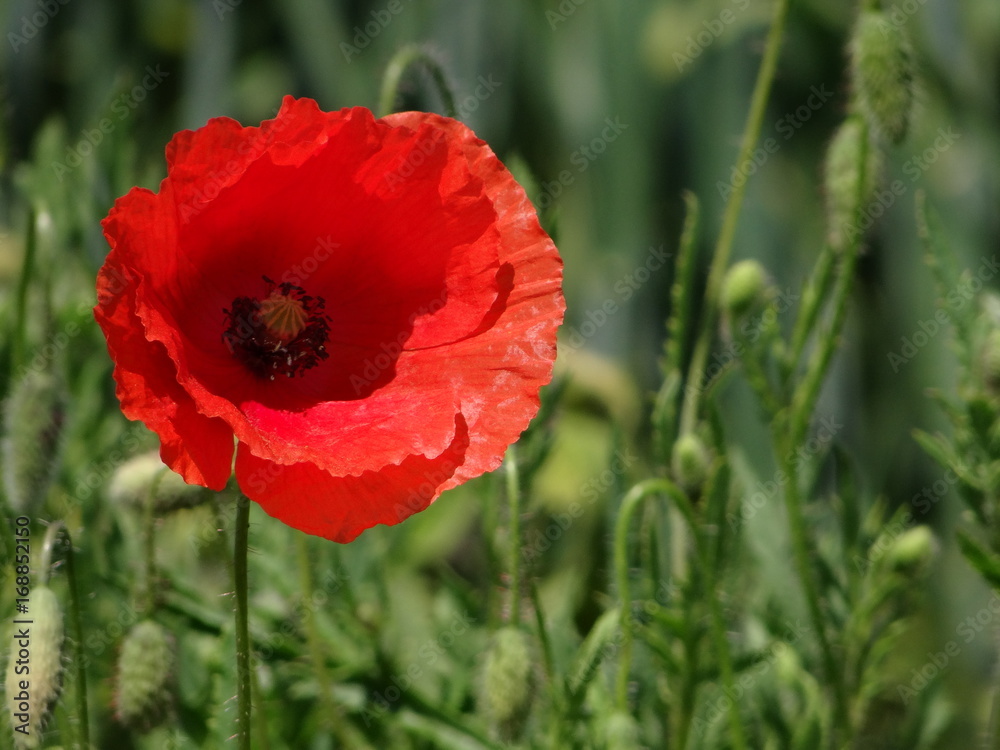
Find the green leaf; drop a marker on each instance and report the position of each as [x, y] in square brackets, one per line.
[602, 641]
[987, 563]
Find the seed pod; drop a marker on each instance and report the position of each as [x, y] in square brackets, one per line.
[33, 422]
[508, 682]
[142, 698]
[136, 478]
[35, 667]
[690, 461]
[743, 287]
[840, 181]
[882, 71]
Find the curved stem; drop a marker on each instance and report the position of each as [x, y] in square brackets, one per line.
[720, 260]
[244, 701]
[408, 57]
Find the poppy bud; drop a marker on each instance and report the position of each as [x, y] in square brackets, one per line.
[882, 69]
[621, 732]
[33, 426]
[840, 180]
[508, 682]
[142, 699]
[136, 478]
[911, 550]
[40, 652]
[690, 461]
[743, 287]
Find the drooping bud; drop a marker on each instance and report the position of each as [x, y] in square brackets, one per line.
[508, 682]
[145, 664]
[743, 287]
[840, 181]
[35, 667]
[882, 71]
[133, 481]
[690, 461]
[33, 422]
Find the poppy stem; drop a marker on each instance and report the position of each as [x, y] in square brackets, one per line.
[242, 534]
[720, 259]
[408, 57]
[514, 533]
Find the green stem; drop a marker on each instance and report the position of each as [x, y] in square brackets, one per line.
[514, 525]
[244, 699]
[635, 496]
[801, 546]
[720, 259]
[813, 297]
[402, 61]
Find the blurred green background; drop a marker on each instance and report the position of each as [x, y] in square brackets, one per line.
[608, 111]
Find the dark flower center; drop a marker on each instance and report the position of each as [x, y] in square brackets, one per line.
[284, 333]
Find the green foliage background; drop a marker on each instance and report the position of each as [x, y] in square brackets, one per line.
[608, 112]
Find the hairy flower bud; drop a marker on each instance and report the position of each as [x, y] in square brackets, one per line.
[34, 668]
[882, 70]
[840, 180]
[508, 682]
[136, 478]
[32, 427]
[142, 699]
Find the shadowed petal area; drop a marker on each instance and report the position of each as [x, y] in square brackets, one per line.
[197, 447]
[340, 508]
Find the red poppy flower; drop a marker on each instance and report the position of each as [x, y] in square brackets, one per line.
[368, 307]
